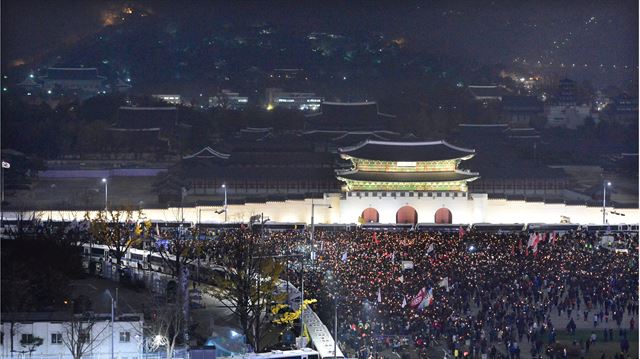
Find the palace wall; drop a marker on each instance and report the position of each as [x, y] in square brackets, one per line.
[348, 207]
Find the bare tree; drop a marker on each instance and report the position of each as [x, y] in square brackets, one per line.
[79, 336]
[165, 329]
[250, 285]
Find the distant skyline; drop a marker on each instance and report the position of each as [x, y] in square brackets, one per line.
[600, 35]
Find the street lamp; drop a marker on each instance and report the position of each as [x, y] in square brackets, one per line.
[114, 304]
[106, 193]
[604, 200]
[313, 206]
[5, 165]
[224, 187]
[332, 281]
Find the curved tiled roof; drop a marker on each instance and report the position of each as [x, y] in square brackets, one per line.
[58, 73]
[406, 151]
[408, 176]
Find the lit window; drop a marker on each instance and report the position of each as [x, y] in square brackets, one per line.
[56, 338]
[125, 337]
[26, 339]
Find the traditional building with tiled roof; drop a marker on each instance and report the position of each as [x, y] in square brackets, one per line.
[405, 166]
[82, 79]
[348, 116]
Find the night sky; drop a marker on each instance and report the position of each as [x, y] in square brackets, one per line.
[603, 35]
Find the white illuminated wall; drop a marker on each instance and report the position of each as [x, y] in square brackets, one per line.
[475, 208]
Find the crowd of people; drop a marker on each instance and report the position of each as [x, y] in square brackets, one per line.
[474, 294]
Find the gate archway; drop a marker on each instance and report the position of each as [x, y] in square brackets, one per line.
[370, 215]
[407, 214]
[443, 216]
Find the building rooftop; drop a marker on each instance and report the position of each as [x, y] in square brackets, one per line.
[146, 117]
[61, 317]
[486, 92]
[521, 102]
[208, 152]
[406, 151]
[348, 115]
[408, 176]
[59, 73]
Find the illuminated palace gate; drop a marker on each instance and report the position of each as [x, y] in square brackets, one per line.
[383, 166]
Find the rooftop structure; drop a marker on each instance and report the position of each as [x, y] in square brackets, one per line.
[486, 93]
[407, 166]
[83, 79]
[520, 110]
[349, 116]
[86, 74]
[508, 162]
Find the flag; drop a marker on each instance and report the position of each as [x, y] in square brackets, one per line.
[444, 283]
[430, 249]
[531, 239]
[401, 279]
[419, 297]
[344, 257]
[379, 296]
[427, 300]
[520, 246]
[404, 301]
[461, 232]
[536, 240]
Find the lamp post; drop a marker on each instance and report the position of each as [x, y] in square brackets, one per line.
[106, 194]
[114, 304]
[5, 165]
[332, 281]
[335, 328]
[605, 184]
[313, 206]
[224, 187]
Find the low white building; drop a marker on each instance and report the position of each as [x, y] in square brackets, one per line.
[170, 99]
[304, 101]
[56, 334]
[229, 100]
